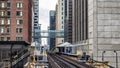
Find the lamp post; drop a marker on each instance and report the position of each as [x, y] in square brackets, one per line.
[103, 56]
[116, 58]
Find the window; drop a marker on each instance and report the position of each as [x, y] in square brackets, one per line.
[62, 8]
[62, 22]
[2, 21]
[36, 16]
[1, 30]
[8, 30]
[62, 13]
[62, 27]
[35, 27]
[19, 13]
[8, 21]
[8, 5]
[19, 30]
[62, 4]
[19, 38]
[19, 22]
[62, 41]
[8, 13]
[3, 5]
[2, 38]
[62, 17]
[35, 24]
[8, 38]
[19, 5]
[35, 13]
[2, 13]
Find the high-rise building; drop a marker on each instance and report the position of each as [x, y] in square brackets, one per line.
[15, 20]
[80, 24]
[56, 23]
[36, 25]
[96, 29]
[64, 20]
[68, 21]
[48, 39]
[80, 21]
[52, 27]
[60, 18]
[104, 28]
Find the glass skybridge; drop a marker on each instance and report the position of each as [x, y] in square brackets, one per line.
[49, 34]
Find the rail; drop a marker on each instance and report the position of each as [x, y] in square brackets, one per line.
[52, 63]
[63, 62]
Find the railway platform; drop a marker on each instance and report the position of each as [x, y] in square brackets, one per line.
[60, 61]
[68, 61]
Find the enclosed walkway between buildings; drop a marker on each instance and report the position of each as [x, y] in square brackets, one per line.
[49, 34]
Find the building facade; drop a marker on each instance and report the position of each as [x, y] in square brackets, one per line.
[36, 25]
[61, 19]
[104, 30]
[68, 21]
[16, 20]
[64, 20]
[56, 24]
[48, 39]
[52, 27]
[80, 23]
[96, 29]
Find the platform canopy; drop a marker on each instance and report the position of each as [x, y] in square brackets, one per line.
[14, 42]
[6, 45]
[64, 44]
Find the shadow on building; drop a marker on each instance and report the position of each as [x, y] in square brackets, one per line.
[13, 53]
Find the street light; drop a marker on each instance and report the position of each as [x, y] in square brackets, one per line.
[103, 56]
[116, 58]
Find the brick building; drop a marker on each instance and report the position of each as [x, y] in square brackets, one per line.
[15, 20]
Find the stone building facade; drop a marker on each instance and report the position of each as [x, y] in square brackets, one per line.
[101, 39]
[104, 30]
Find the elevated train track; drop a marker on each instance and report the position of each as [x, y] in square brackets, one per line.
[64, 62]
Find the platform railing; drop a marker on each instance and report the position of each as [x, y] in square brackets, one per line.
[21, 58]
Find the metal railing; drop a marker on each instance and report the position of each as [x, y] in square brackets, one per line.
[21, 58]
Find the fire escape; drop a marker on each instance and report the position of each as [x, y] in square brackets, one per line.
[4, 25]
[4, 20]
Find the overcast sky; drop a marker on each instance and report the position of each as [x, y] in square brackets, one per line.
[44, 7]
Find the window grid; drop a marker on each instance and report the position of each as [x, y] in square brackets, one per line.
[18, 30]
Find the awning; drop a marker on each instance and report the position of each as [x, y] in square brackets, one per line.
[16, 44]
[64, 44]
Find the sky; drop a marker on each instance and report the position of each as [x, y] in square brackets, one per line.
[44, 7]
